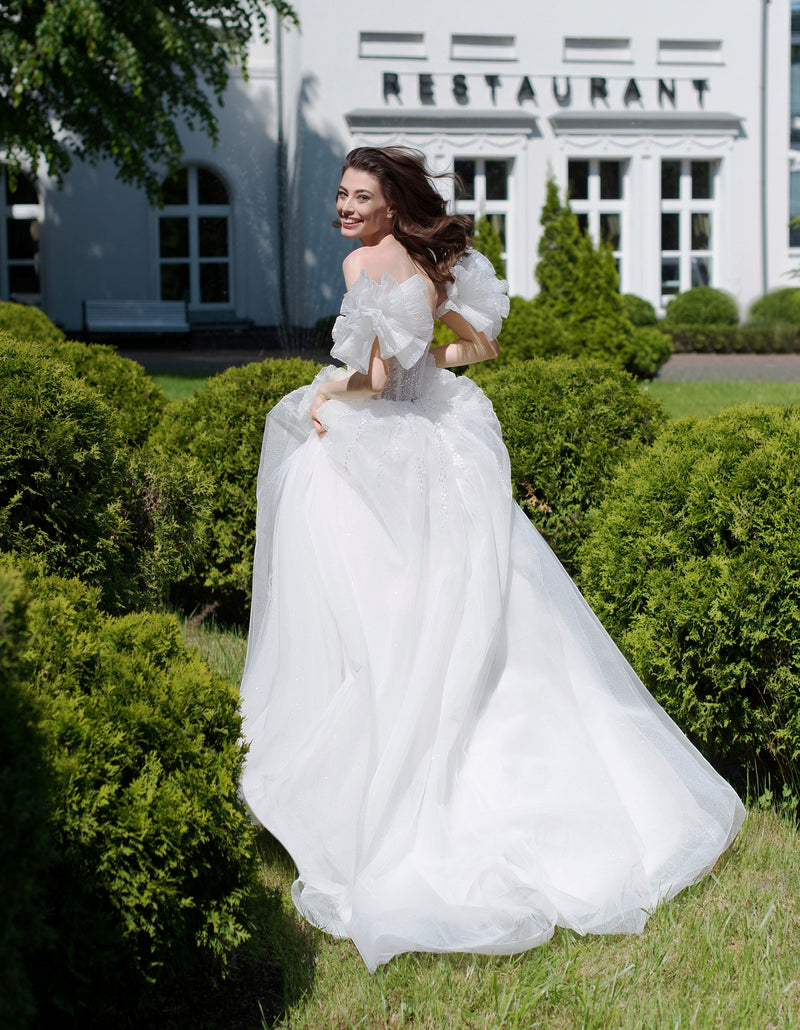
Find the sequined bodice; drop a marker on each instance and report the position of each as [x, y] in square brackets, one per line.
[404, 384]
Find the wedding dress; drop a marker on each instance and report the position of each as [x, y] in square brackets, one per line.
[441, 733]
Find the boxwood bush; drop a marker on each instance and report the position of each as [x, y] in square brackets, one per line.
[567, 425]
[703, 305]
[693, 564]
[154, 850]
[639, 312]
[779, 307]
[221, 428]
[28, 323]
[76, 495]
[735, 339]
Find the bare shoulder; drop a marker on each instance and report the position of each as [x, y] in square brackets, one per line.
[353, 265]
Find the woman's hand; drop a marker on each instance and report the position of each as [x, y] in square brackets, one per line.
[319, 400]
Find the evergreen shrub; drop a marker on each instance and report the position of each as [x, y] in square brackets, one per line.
[702, 305]
[28, 323]
[779, 307]
[735, 339]
[693, 565]
[73, 493]
[221, 429]
[154, 850]
[123, 384]
[567, 425]
[26, 848]
[651, 349]
[486, 240]
[639, 312]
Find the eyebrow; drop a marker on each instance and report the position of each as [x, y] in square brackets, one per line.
[358, 189]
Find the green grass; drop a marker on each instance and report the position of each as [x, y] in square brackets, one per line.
[708, 397]
[178, 384]
[725, 954]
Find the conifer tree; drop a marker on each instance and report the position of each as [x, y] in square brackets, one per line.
[486, 240]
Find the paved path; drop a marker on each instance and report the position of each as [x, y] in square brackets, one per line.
[742, 367]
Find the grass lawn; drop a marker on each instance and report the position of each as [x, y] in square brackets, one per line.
[708, 397]
[178, 384]
[725, 954]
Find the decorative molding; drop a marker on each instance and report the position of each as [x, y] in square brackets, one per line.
[698, 123]
[398, 119]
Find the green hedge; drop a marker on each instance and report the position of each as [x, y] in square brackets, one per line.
[221, 428]
[75, 495]
[693, 565]
[702, 305]
[735, 339]
[154, 852]
[28, 323]
[639, 312]
[26, 847]
[567, 425]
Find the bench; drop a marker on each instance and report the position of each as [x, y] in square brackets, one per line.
[135, 316]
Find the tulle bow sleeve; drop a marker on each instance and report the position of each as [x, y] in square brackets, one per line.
[397, 313]
[477, 294]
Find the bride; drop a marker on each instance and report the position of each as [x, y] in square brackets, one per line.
[441, 733]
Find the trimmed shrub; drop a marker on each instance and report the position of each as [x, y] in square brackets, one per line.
[28, 323]
[650, 350]
[567, 425]
[693, 565]
[123, 384]
[638, 311]
[702, 305]
[779, 307]
[26, 849]
[154, 849]
[221, 429]
[76, 496]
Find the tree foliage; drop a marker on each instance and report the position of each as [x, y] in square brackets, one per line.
[486, 240]
[98, 80]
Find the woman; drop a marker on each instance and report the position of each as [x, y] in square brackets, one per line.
[442, 735]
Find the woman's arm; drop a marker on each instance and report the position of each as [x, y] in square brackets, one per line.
[470, 347]
[356, 385]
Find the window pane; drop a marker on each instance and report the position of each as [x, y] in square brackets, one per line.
[175, 189]
[702, 180]
[578, 180]
[670, 180]
[24, 191]
[670, 275]
[214, 283]
[174, 282]
[701, 271]
[611, 229]
[213, 237]
[583, 223]
[610, 180]
[465, 189]
[22, 235]
[794, 208]
[23, 279]
[210, 189]
[670, 231]
[795, 79]
[701, 231]
[174, 237]
[496, 180]
[499, 226]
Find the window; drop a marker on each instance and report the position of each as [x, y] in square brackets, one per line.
[391, 44]
[597, 196]
[690, 51]
[688, 219]
[483, 48]
[194, 239]
[19, 246]
[592, 48]
[482, 188]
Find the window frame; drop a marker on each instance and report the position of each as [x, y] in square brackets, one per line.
[594, 206]
[22, 213]
[479, 205]
[685, 206]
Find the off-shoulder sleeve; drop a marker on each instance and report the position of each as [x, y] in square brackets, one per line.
[477, 294]
[396, 313]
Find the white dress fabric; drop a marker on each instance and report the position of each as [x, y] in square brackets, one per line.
[441, 733]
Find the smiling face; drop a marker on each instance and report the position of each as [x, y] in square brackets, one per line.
[363, 210]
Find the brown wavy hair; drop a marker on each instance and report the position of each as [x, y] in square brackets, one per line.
[434, 239]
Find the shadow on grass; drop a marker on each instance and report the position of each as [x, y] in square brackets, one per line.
[266, 976]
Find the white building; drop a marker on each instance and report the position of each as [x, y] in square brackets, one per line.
[676, 129]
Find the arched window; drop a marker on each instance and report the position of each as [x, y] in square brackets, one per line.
[194, 239]
[19, 240]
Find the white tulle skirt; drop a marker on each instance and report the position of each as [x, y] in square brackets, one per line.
[450, 746]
